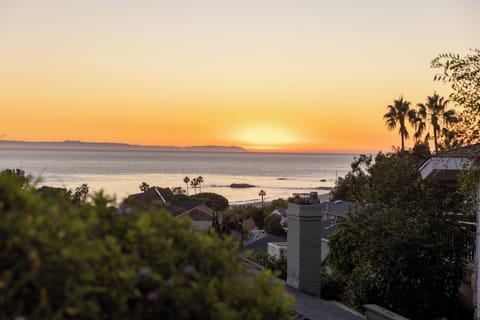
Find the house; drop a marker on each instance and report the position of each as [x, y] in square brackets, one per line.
[336, 210]
[260, 244]
[163, 198]
[282, 212]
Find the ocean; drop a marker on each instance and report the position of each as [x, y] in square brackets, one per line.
[119, 173]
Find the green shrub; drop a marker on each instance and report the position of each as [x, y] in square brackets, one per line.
[62, 260]
[273, 226]
[278, 265]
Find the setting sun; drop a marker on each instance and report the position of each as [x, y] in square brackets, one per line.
[263, 75]
[265, 137]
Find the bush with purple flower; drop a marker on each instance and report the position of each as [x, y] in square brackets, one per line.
[118, 263]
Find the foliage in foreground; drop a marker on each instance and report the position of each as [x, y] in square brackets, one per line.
[404, 248]
[278, 265]
[463, 75]
[65, 260]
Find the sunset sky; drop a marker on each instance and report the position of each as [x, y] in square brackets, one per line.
[267, 75]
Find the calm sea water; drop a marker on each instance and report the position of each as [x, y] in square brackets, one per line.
[119, 173]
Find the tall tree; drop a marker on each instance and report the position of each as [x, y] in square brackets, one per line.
[399, 113]
[186, 180]
[435, 114]
[194, 184]
[262, 194]
[200, 181]
[463, 74]
[403, 239]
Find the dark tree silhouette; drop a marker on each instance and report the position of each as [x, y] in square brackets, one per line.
[262, 194]
[435, 114]
[186, 180]
[400, 113]
[200, 181]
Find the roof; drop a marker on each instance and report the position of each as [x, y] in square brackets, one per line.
[153, 194]
[164, 198]
[281, 210]
[447, 165]
[339, 207]
[328, 227]
[178, 207]
[200, 212]
[262, 243]
[145, 199]
[310, 307]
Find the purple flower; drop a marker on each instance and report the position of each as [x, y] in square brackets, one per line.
[189, 269]
[143, 272]
[152, 296]
[20, 318]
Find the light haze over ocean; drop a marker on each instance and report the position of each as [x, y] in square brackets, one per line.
[120, 173]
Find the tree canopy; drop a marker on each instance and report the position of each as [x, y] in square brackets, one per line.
[463, 75]
[403, 238]
[215, 201]
[91, 260]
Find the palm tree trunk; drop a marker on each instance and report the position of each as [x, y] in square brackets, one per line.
[403, 145]
[435, 139]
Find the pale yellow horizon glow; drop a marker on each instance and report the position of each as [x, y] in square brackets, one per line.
[269, 75]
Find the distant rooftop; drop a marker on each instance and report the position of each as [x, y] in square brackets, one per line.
[338, 207]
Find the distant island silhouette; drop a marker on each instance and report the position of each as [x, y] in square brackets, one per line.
[108, 146]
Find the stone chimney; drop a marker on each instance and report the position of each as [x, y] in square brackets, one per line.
[304, 254]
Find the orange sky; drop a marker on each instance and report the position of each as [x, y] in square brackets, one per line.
[266, 75]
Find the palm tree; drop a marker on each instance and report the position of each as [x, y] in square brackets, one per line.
[399, 113]
[418, 121]
[186, 180]
[436, 114]
[262, 194]
[194, 184]
[200, 181]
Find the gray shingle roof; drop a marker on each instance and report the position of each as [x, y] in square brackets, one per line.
[339, 207]
[262, 244]
[328, 227]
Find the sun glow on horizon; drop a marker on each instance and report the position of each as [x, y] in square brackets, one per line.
[270, 76]
[266, 137]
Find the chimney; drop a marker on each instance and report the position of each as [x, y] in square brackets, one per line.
[304, 254]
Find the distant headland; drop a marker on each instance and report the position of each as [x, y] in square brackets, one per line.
[108, 146]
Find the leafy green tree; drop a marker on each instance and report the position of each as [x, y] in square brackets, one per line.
[399, 113]
[213, 200]
[81, 193]
[403, 239]
[278, 265]
[96, 261]
[273, 225]
[435, 114]
[258, 216]
[463, 74]
[355, 185]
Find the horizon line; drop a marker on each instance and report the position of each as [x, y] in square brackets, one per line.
[186, 147]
